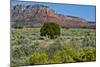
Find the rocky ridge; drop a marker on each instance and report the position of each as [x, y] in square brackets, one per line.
[36, 15]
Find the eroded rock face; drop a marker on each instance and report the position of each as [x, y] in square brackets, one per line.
[36, 15]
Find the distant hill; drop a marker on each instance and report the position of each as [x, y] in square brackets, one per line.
[91, 24]
[36, 15]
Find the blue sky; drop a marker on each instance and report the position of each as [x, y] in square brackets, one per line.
[83, 11]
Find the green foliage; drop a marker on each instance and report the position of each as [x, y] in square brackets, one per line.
[56, 58]
[68, 59]
[90, 54]
[37, 58]
[18, 26]
[34, 59]
[88, 40]
[74, 45]
[43, 58]
[50, 29]
[86, 54]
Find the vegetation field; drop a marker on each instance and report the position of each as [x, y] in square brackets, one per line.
[73, 45]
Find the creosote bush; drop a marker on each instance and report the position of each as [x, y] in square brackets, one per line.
[50, 30]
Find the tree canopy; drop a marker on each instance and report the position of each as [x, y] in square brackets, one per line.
[50, 30]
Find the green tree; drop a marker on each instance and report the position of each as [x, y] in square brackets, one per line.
[50, 29]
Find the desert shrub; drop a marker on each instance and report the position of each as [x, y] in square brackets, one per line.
[75, 47]
[24, 60]
[68, 58]
[65, 56]
[79, 56]
[54, 47]
[89, 40]
[56, 58]
[18, 25]
[37, 58]
[34, 59]
[18, 52]
[86, 54]
[43, 58]
[75, 43]
[51, 30]
[90, 54]
[61, 57]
